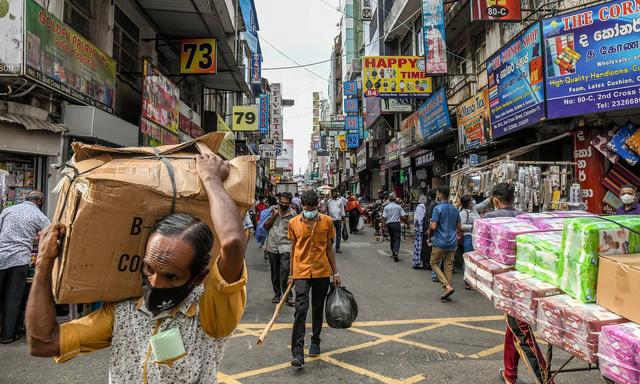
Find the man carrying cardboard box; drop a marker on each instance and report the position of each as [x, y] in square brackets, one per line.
[175, 333]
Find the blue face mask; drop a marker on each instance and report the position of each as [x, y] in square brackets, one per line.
[310, 214]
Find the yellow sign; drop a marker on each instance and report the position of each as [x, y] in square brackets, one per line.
[395, 76]
[228, 146]
[342, 141]
[245, 118]
[198, 56]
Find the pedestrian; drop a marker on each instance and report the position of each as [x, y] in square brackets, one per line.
[261, 206]
[468, 215]
[19, 227]
[433, 201]
[519, 340]
[279, 246]
[629, 198]
[392, 215]
[182, 289]
[353, 211]
[335, 210]
[312, 264]
[443, 231]
[296, 204]
[418, 225]
[247, 224]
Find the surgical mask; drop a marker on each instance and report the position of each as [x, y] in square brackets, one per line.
[161, 299]
[310, 214]
[284, 207]
[627, 198]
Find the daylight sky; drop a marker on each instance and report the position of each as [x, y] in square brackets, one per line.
[303, 30]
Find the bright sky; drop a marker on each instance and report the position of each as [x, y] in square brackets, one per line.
[303, 30]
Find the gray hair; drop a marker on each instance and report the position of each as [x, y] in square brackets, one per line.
[34, 196]
[422, 199]
[392, 196]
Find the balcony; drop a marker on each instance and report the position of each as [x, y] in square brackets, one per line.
[398, 15]
[461, 88]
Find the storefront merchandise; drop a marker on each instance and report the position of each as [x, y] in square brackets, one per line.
[539, 255]
[18, 175]
[619, 353]
[480, 272]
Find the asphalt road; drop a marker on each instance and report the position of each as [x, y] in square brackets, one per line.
[404, 334]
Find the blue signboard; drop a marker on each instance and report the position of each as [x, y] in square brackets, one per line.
[353, 140]
[263, 112]
[256, 68]
[351, 123]
[592, 59]
[350, 88]
[433, 115]
[350, 105]
[516, 92]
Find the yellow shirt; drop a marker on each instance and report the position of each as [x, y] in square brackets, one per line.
[309, 257]
[205, 318]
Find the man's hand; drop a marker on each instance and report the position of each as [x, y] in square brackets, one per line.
[212, 167]
[337, 280]
[290, 281]
[48, 249]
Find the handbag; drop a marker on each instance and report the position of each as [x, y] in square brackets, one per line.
[345, 233]
[360, 225]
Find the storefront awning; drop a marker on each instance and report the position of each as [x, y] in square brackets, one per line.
[31, 123]
[391, 164]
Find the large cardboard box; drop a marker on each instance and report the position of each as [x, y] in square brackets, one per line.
[110, 200]
[619, 285]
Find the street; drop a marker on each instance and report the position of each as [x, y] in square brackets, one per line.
[404, 334]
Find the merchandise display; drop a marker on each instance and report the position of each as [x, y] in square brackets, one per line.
[480, 272]
[17, 179]
[539, 255]
[496, 238]
[618, 144]
[572, 325]
[619, 353]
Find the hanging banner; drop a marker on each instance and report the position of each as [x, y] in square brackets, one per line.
[496, 10]
[60, 58]
[516, 92]
[433, 115]
[160, 98]
[351, 123]
[592, 58]
[256, 68]
[589, 168]
[285, 160]
[396, 105]
[395, 76]
[474, 121]
[342, 142]
[276, 116]
[372, 106]
[351, 106]
[435, 46]
[263, 122]
[353, 140]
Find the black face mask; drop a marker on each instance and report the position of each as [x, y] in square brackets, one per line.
[160, 299]
[284, 207]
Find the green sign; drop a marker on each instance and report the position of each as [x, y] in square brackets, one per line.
[62, 59]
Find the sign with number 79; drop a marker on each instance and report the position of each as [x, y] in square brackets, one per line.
[198, 56]
[245, 118]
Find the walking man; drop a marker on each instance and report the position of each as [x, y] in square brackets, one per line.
[392, 215]
[444, 231]
[19, 226]
[279, 246]
[335, 209]
[312, 264]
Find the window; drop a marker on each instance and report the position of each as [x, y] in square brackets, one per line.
[126, 37]
[78, 14]
[373, 27]
[405, 44]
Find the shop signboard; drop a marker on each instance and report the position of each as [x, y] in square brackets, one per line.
[350, 88]
[60, 58]
[11, 37]
[433, 115]
[342, 142]
[198, 56]
[367, 10]
[351, 106]
[351, 123]
[263, 122]
[435, 46]
[495, 10]
[276, 116]
[160, 98]
[284, 161]
[395, 76]
[333, 125]
[256, 68]
[190, 121]
[592, 58]
[372, 106]
[411, 125]
[516, 92]
[361, 158]
[474, 121]
[391, 150]
[245, 118]
[353, 140]
[405, 162]
[425, 159]
[589, 168]
[396, 105]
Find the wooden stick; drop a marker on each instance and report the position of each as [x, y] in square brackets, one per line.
[266, 329]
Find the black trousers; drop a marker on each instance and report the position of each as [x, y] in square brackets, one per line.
[354, 216]
[12, 284]
[394, 235]
[279, 263]
[318, 289]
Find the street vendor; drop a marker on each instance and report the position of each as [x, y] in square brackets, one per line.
[629, 198]
[177, 331]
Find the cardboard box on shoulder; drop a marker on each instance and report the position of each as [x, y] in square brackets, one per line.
[619, 285]
[110, 200]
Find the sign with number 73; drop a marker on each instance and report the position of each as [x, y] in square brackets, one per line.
[198, 56]
[245, 118]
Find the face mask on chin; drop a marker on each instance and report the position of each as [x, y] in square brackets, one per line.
[627, 199]
[160, 299]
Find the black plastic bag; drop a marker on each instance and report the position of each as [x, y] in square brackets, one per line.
[345, 232]
[341, 309]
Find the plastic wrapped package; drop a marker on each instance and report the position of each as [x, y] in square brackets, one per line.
[526, 254]
[580, 281]
[619, 353]
[517, 294]
[549, 224]
[482, 231]
[539, 255]
[480, 272]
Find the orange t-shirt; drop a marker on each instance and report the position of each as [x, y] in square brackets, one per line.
[309, 249]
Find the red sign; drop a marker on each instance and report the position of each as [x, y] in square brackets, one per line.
[589, 168]
[500, 10]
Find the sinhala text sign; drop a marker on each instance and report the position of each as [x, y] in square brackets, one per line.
[593, 59]
[516, 92]
[395, 76]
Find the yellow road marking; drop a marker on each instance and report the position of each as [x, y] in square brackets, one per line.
[278, 326]
[226, 379]
[360, 371]
[413, 379]
[488, 352]
[483, 329]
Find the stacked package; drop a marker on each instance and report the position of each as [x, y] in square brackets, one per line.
[573, 326]
[517, 294]
[555, 214]
[496, 237]
[480, 272]
[619, 353]
[584, 240]
[539, 255]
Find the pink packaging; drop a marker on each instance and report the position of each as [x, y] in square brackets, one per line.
[480, 271]
[551, 224]
[620, 374]
[488, 269]
[620, 345]
[523, 292]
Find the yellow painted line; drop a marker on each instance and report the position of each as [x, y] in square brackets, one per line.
[360, 371]
[399, 337]
[483, 329]
[260, 371]
[278, 326]
[423, 346]
[226, 379]
[491, 351]
[413, 379]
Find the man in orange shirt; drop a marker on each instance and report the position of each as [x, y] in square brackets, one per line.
[313, 263]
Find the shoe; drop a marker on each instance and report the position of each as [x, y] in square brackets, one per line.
[338, 251]
[468, 286]
[314, 350]
[395, 257]
[447, 294]
[503, 379]
[298, 362]
[418, 266]
[9, 341]
[275, 300]
[291, 302]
